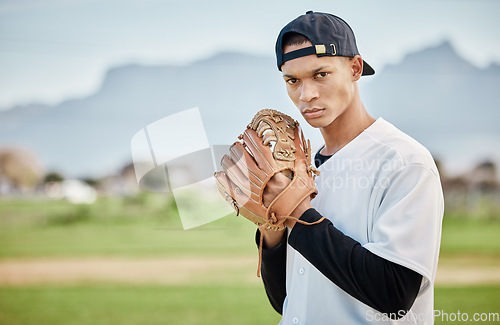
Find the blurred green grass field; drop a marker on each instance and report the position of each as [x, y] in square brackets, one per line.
[147, 226]
[132, 227]
[127, 305]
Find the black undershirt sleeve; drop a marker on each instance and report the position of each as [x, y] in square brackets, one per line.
[273, 272]
[381, 284]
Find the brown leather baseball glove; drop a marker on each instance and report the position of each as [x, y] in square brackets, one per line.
[272, 143]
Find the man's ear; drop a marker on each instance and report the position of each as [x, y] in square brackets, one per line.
[357, 67]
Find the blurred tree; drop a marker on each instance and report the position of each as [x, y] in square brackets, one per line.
[484, 196]
[484, 177]
[53, 177]
[20, 167]
[92, 182]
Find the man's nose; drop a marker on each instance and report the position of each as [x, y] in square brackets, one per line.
[308, 92]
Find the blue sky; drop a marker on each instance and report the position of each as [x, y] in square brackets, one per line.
[51, 50]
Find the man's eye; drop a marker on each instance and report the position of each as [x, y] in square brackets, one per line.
[321, 74]
[291, 81]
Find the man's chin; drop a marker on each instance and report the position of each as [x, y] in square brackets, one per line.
[315, 123]
[320, 123]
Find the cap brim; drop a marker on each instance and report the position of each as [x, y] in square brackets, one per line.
[367, 69]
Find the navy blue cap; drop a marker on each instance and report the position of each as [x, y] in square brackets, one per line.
[330, 36]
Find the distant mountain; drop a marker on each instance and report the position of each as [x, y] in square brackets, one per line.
[91, 136]
[444, 102]
[434, 95]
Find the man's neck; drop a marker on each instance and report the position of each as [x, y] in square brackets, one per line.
[345, 127]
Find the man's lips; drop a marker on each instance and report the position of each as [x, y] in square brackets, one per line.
[313, 112]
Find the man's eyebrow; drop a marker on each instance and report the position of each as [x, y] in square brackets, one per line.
[319, 69]
[312, 72]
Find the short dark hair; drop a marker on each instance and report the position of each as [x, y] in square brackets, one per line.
[293, 38]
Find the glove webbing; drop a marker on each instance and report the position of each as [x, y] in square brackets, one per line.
[273, 222]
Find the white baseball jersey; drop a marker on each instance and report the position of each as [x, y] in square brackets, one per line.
[383, 190]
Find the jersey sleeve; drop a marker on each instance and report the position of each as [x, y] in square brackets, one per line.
[407, 217]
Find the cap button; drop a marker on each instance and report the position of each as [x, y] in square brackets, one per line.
[309, 12]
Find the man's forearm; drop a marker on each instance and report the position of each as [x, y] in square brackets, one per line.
[273, 271]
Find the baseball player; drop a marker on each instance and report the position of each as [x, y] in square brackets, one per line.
[373, 259]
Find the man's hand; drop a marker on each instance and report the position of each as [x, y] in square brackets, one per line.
[274, 187]
[253, 179]
[268, 177]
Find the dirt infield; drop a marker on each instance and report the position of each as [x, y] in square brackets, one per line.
[185, 270]
[188, 270]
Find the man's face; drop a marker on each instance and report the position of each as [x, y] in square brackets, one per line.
[321, 87]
